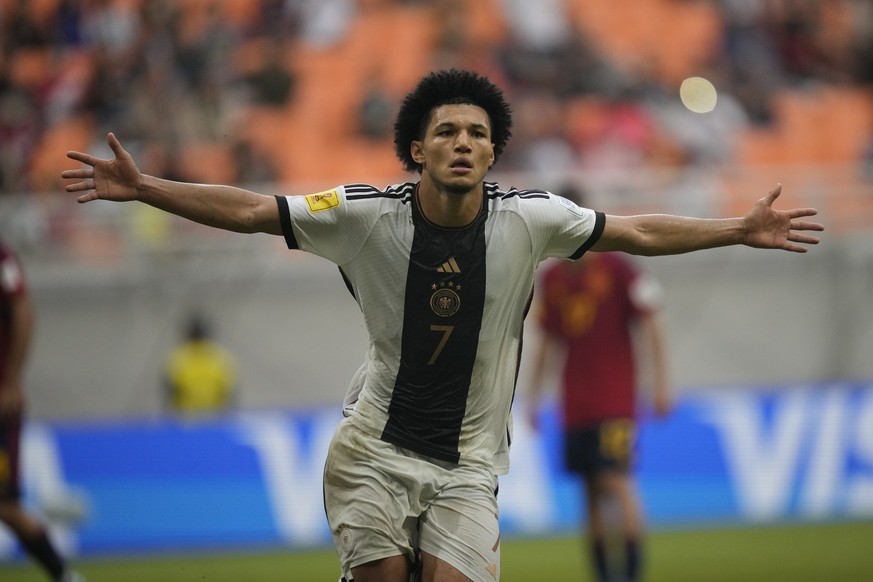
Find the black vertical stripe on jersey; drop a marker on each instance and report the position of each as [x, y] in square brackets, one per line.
[429, 400]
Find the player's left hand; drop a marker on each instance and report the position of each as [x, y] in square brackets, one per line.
[768, 228]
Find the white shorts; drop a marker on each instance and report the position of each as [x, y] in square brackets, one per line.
[382, 500]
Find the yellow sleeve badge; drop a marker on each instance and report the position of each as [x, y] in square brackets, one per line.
[323, 200]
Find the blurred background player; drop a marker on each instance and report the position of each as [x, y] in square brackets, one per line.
[201, 375]
[601, 314]
[16, 331]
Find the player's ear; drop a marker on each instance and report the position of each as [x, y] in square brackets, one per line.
[416, 151]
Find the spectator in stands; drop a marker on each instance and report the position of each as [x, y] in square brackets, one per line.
[197, 43]
[273, 83]
[748, 57]
[68, 24]
[540, 145]
[376, 109]
[21, 29]
[794, 28]
[325, 23]
[253, 166]
[862, 42]
[19, 133]
[867, 158]
[621, 139]
[538, 32]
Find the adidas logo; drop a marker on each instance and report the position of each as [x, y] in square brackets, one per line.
[449, 266]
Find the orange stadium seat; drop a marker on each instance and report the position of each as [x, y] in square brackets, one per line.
[50, 160]
[823, 124]
[323, 117]
[674, 38]
[207, 162]
[314, 139]
[30, 68]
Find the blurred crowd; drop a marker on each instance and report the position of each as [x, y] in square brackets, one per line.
[172, 74]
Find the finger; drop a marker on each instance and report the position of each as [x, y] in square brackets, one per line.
[82, 157]
[803, 225]
[794, 248]
[803, 238]
[86, 197]
[115, 145]
[77, 174]
[798, 212]
[773, 194]
[79, 186]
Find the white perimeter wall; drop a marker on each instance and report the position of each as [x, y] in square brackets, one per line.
[734, 316]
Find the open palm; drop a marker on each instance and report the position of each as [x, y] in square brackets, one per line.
[115, 179]
[767, 228]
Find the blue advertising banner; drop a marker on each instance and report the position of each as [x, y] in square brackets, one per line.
[254, 479]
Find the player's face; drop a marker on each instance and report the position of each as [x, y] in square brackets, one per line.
[456, 151]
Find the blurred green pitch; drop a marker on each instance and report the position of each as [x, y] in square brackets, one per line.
[790, 553]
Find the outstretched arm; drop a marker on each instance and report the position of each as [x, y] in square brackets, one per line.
[119, 179]
[660, 234]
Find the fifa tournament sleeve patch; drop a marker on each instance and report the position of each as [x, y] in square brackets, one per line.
[323, 200]
[570, 205]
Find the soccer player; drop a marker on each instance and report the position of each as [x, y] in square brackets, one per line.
[591, 311]
[16, 331]
[442, 269]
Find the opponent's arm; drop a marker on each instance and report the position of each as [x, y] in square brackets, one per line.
[543, 353]
[662, 234]
[224, 207]
[22, 319]
[654, 339]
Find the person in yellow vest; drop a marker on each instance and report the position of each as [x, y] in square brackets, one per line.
[201, 375]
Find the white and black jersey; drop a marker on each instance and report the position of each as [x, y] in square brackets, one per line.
[444, 307]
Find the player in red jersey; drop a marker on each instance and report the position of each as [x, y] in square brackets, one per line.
[590, 312]
[16, 331]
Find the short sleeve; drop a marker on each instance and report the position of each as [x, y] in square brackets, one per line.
[563, 229]
[327, 223]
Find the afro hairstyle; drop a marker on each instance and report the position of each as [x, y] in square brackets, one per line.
[451, 87]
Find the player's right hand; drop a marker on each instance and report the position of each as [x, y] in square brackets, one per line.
[116, 179]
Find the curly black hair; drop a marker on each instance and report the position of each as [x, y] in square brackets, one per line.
[451, 87]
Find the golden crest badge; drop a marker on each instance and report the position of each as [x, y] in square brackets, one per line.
[445, 301]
